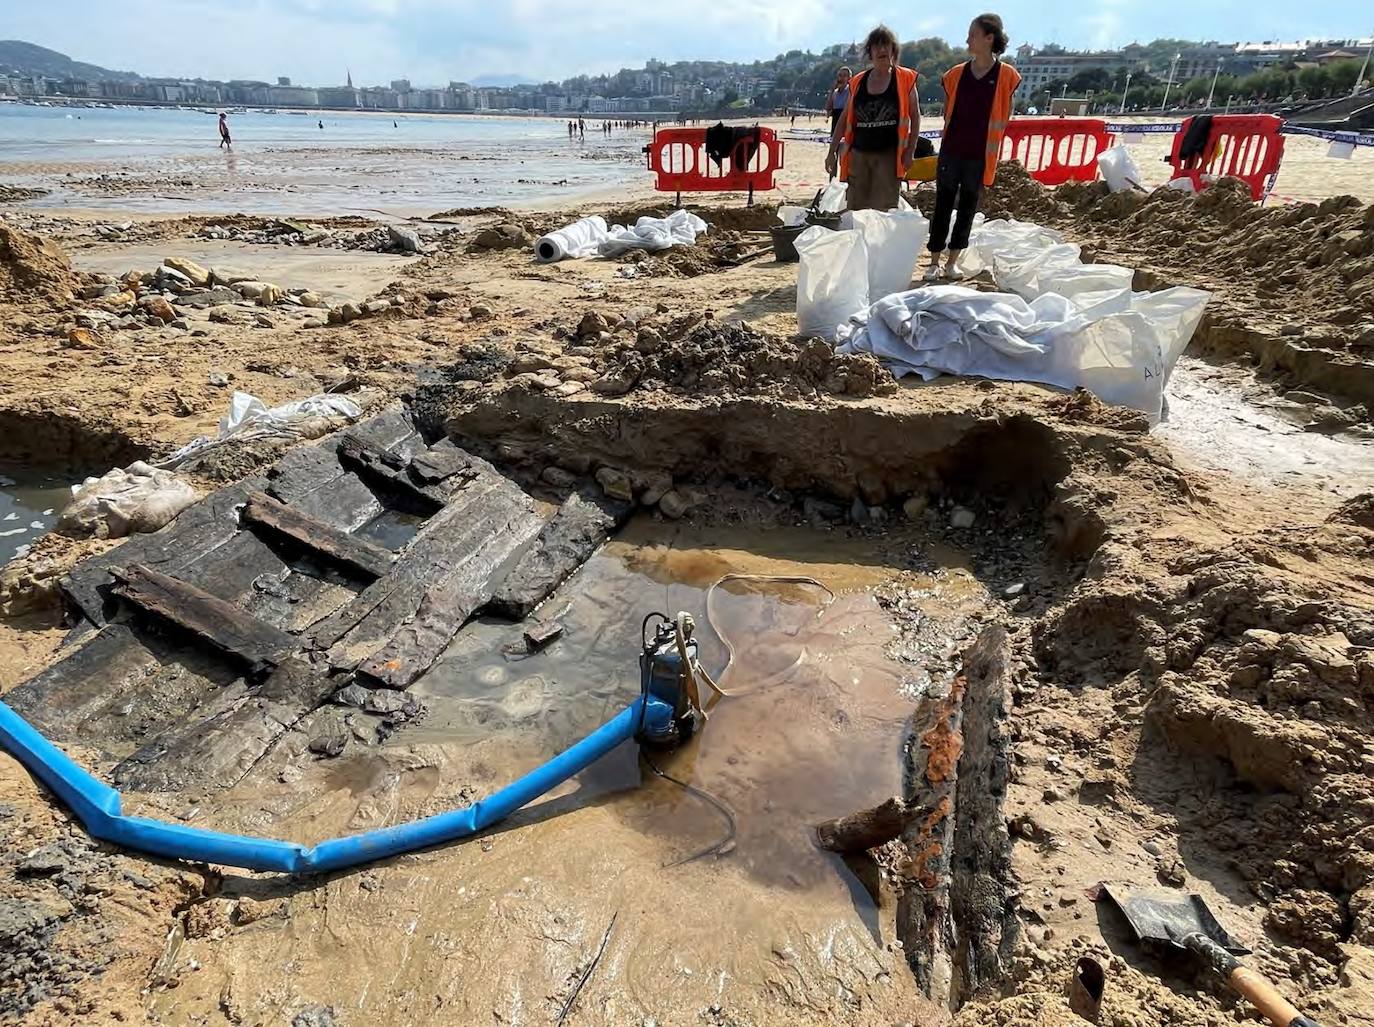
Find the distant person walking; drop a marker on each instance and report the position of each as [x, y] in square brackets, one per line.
[874, 141]
[321, 124]
[838, 99]
[977, 108]
[225, 141]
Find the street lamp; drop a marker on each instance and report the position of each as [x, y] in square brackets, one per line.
[1363, 67]
[1215, 75]
[1125, 92]
[1173, 67]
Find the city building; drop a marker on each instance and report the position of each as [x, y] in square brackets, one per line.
[283, 80]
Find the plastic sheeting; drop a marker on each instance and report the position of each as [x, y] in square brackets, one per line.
[1119, 345]
[97, 805]
[124, 502]
[580, 239]
[1119, 171]
[249, 418]
[680, 228]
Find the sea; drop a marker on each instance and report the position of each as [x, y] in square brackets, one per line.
[160, 159]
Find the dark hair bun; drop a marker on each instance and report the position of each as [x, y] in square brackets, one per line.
[992, 25]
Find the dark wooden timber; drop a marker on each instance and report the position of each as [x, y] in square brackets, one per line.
[258, 646]
[865, 829]
[386, 471]
[228, 735]
[322, 539]
[581, 525]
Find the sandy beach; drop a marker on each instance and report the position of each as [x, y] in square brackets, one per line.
[1078, 647]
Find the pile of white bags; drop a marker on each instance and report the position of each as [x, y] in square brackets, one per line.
[132, 501]
[249, 419]
[592, 236]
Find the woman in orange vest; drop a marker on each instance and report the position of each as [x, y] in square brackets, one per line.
[977, 108]
[875, 138]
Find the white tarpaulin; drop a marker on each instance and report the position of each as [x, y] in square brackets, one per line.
[580, 239]
[680, 228]
[125, 502]
[1119, 345]
[250, 418]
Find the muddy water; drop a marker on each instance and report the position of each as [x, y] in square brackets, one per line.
[1213, 425]
[499, 929]
[29, 505]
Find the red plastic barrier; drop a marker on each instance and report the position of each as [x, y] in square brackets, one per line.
[1056, 150]
[1244, 146]
[678, 157]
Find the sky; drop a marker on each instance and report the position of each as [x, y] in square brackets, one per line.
[431, 42]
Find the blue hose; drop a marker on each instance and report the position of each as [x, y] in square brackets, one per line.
[96, 805]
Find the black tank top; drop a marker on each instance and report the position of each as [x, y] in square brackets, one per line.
[875, 117]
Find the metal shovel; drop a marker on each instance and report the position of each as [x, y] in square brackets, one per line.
[1185, 924]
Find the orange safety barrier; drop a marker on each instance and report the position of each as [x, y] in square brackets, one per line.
[1244, 146]
[1056, 150]
[678, 157]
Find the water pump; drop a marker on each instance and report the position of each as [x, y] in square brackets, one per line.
[669, 671]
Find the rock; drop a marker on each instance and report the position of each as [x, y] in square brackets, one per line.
[263, 321]
[311, 299]
[407, 240]
[617, 382]
[376, 306]
[330, 740]
[249, 289]
[649, 340]
[193, 271]
[398, 300]
[1152, 847]
[1012, 591]
[218, 379]
[216, 297]
[350, 312]
[228, 276]
[181, 324]
[557, 477]
[674, 505]
[544, 382]
[250, 911]
[961, 517]
[169, 277]
[616, 484]
[529, 362]
[271, 295]
[479, 311]
[915, 507]
[316, 1016]
[48, 860]
[159, 308]
[1172, 874]
[81, 338]
[223, 317]
[591, 325]
[317, 237]
[119, 300]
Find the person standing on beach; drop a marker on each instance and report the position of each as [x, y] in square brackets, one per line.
[224, 141]
[874, 141]
[977, 108]
[838, 99]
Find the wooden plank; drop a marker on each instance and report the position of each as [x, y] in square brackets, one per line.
[388, 472]
[312, 480]
[321, 539]
[219, 746]
[451, 568]
[198, 531]
[223, 625]
[440, 463]
[579, 528]
[119, 689]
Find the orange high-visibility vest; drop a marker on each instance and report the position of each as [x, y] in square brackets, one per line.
[1008, 78]
[906, 85]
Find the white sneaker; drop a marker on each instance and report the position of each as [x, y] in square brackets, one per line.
[955, 274]
[932, 274]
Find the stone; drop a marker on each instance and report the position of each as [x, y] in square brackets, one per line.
[216, 297]
[557, 477]
[123, 298]
[263, 321]
[166, 277]
[223, 317]
[585, 375]
[615, 484]
[350, 312]
[218, 379]
[271, 295]
[249, 290]
[316, 1016]
[616, 383]
[915, 507]
[480, 311]
[50, 859]
[961, 517]
[311, 299]
[649, 340]
[674, 505]
[330, 742]
[591, 325]
[181, 324]
[1012, 591]
[193, 271]
[228, 276]
[544, 382]
[159, 308]
[407, 240]
[81, 338]
[529, 362]
[659, 485]
[376, 306]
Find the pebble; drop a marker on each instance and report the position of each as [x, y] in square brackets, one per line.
[218, 379]
[674, 505]
[961, 517]
[1153, 847]
[480, 310]
[407, 240]
[1012, 591]
[915, 507]
[263, 321]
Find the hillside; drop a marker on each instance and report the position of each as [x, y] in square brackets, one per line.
[19, 57]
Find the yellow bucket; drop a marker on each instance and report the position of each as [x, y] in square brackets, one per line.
[922, 169]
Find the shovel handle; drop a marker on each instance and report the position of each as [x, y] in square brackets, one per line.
[1266, 998]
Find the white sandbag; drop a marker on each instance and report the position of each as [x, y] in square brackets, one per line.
[680, 228]
[124, 502]
[832, 282]
[894, 240]
[580, 239]
[834, 197]
[1031, 271]
[1119, 171]
[791, 216]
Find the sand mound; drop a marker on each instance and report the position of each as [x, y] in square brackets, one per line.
[33, 267]
[712, 356]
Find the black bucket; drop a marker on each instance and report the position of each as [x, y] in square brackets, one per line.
[785, 242]
[830, 221]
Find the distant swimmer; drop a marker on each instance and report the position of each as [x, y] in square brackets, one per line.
[394, 125]
[224, 141]
[321, 124]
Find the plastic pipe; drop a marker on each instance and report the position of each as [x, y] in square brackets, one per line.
[97, 806]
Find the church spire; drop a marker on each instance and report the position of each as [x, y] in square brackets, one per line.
[349, 71]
